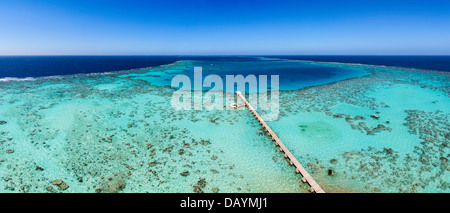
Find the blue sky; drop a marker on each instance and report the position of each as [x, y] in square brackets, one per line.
[207, 27]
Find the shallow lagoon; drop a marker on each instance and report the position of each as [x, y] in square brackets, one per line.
[118, 133]
[293, 75]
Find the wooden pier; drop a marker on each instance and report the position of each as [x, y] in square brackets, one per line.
[287, 154]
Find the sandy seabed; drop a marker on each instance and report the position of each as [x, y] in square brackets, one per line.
[117, 132]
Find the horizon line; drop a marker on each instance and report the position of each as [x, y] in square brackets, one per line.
[232, 55]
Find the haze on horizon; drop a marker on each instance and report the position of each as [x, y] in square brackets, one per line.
[224, 27]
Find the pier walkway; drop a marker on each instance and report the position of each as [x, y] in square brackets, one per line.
[287, 154]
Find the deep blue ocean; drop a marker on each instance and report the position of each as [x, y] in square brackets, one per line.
[37, 66]
[440, 63]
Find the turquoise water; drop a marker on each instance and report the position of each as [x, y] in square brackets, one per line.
[118, 132]
[293, 75]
